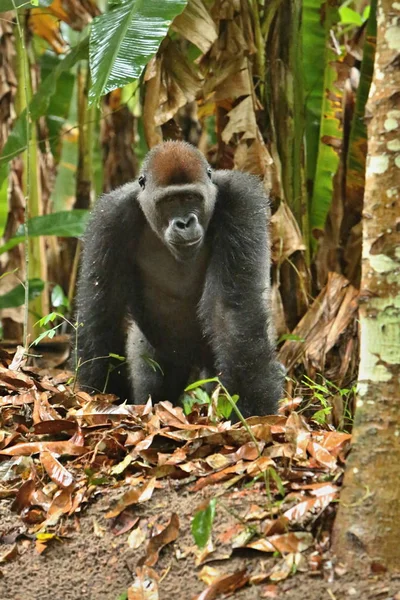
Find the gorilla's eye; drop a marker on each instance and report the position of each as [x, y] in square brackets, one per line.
[142, 181]
[209, 172]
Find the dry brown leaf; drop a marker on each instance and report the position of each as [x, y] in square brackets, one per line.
[24, 495]
[286, 566]
[300, 511]
[133, 496]
[15, 380]
[80, 12]
[335, 441]
[61, 503]
[42, 409]
[295, 541]
[9, 553]
[55, 426]
[242, 119]
[227, 473]
[196, 25]
[209, 574]
[145, 585]
[157, 542]
[322, 455]
[224, 585]
[286, 234]
[171, 415]
[124, 522]
[59, 448]
[136, 537]
[274, 526]
[46, 26]
[323, 323]
[17, 400]
[56, 471]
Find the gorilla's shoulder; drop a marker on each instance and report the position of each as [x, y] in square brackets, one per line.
[238, 187]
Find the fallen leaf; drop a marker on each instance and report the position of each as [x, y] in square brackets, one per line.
[9, 553]
[145, 585]
[56, 471]
[60, 448]
[224, 585]
[322, 455]
[124, 522]
[157, 542]
[24, 495]
[295, 541]
[133, 496]
[136, 537]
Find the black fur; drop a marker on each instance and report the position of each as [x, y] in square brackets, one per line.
[210, 311]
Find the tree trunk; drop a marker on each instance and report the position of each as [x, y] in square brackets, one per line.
[368, 521]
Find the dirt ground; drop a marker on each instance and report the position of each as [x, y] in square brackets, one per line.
[91, 562]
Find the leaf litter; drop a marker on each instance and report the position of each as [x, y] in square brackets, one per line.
[59, 450]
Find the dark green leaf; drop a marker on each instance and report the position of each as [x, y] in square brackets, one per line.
[201, 382]
[356, 157]
[123, 40]
[348, 16]
[50, 333]
[48, 319]
[69, 223]
[225, 407]
[58, 298]
[317, 20]
[202, 524]
[16, 296]
[17, 140]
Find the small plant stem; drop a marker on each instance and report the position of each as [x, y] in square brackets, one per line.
[24, 62]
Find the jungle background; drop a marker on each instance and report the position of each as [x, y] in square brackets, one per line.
[277, 88]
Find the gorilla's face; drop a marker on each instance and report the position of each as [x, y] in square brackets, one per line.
[178, 210]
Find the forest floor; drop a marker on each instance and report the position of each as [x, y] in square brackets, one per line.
[100, 501]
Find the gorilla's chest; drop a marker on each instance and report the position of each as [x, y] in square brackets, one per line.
[170, 290]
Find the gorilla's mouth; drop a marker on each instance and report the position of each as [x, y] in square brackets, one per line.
[188, 244]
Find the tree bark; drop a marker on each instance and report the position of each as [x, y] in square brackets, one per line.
[368, 521]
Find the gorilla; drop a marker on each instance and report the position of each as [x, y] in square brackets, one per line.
[175, 276]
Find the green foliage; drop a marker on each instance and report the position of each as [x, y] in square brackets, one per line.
[330, 137]
[17, 141]
[202, 524]
[60, 101]
[356, 157]
[69, 223]
[225, 402]
[50, 333]
[317, 19]
[201, 382]
[16, 296]
[153, 364]
[278, 481]
[58, 298]
[348, 16]
[324, 393]
[198, 396]
[123, 40]
[292, 337]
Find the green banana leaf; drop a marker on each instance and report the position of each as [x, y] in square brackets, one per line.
[68, 223]
[123, 40]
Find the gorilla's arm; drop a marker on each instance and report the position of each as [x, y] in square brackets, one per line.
[235, 306]
[105, 285]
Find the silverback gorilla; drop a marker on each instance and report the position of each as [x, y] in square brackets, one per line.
[176, 270]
